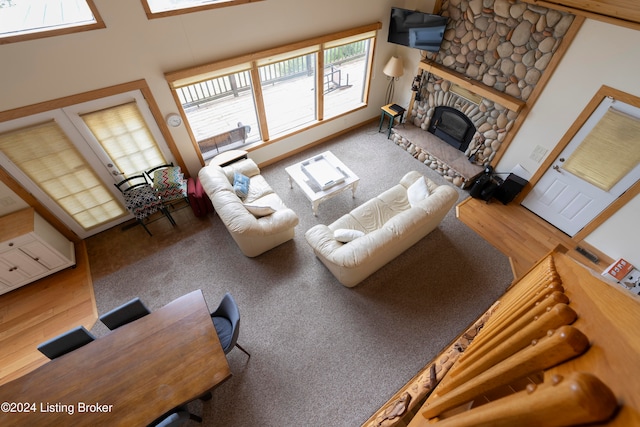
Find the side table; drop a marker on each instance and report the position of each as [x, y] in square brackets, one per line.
[392, 111]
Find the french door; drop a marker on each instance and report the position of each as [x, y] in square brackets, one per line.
[70, 158]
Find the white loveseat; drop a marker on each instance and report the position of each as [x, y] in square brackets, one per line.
[255, 233]
[387, 225]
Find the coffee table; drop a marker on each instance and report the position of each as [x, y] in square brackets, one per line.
[321, 177]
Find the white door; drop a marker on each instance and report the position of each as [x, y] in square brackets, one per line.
[70, 158]
[599, 164]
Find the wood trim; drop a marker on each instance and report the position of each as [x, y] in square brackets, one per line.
[39, 207]
[602, 93]
[625, 13]
[627, 196]
[259, 100]
[632, 192]
[317, 142]
[540, 86]
[66, 101]
[228, 3]
[174, 76]
[320, 84]
[367, 81]
[164, 129]
[192, 137]
[59, 31]
[508, 101]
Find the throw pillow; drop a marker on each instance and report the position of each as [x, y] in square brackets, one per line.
[417, 191]
[240, 184]
[259, 211]
[345, 235]
[170, 177]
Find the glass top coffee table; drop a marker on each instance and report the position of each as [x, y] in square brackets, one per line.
[322, 177]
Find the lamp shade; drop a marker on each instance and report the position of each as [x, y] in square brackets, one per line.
[394, 68]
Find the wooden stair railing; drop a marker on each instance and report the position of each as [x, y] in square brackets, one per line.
[549, 353]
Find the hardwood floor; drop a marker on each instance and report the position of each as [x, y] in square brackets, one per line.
[521, 235]
[41, 310]
[50, 306]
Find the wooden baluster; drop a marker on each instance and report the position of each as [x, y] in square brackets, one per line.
[520, 298]
[520, 333]
[565, 343]
[489, 338]
[531, 294]
[581, 398]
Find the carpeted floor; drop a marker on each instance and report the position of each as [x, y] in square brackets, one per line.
[322, 354]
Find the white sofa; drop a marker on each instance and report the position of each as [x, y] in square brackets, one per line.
[388, 225]
[254, 234]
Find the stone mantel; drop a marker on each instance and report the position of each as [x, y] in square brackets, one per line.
[508, 101]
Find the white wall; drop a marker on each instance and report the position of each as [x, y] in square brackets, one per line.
[133, 47]
[601, 54]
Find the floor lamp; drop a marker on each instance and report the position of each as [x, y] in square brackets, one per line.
[394, 70]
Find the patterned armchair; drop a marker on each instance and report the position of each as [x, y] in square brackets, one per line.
[141, 199]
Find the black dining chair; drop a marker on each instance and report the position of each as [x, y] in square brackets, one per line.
[175, 418]
[127, 312]
[226, 319]
[66, 342]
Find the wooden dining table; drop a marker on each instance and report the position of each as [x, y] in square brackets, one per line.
[129, 377]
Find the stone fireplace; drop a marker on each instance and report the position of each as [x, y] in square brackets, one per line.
[452, 126]
[503, 48]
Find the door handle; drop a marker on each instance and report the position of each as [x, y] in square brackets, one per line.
[557, 168]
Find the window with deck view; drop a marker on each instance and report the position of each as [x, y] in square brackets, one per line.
[271, 95]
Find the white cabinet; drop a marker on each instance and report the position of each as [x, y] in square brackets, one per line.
[30, 249]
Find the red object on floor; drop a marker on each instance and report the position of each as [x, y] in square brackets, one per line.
[198, 199]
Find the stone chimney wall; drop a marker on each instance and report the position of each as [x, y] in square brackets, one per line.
[504, 44]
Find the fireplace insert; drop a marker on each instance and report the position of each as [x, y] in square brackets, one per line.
[452, 126]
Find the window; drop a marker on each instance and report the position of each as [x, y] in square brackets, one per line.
[271, 94]
[345, 76]
[59, 169]
[288, 91]
[221, 111]
[160, 8]
[31, 19]
[123, 134]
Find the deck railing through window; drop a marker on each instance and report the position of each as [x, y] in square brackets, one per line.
[203, 92]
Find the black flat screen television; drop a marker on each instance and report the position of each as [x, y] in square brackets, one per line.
[416, 29]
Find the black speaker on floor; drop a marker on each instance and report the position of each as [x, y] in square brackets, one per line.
[510, 188]
[479, 190]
